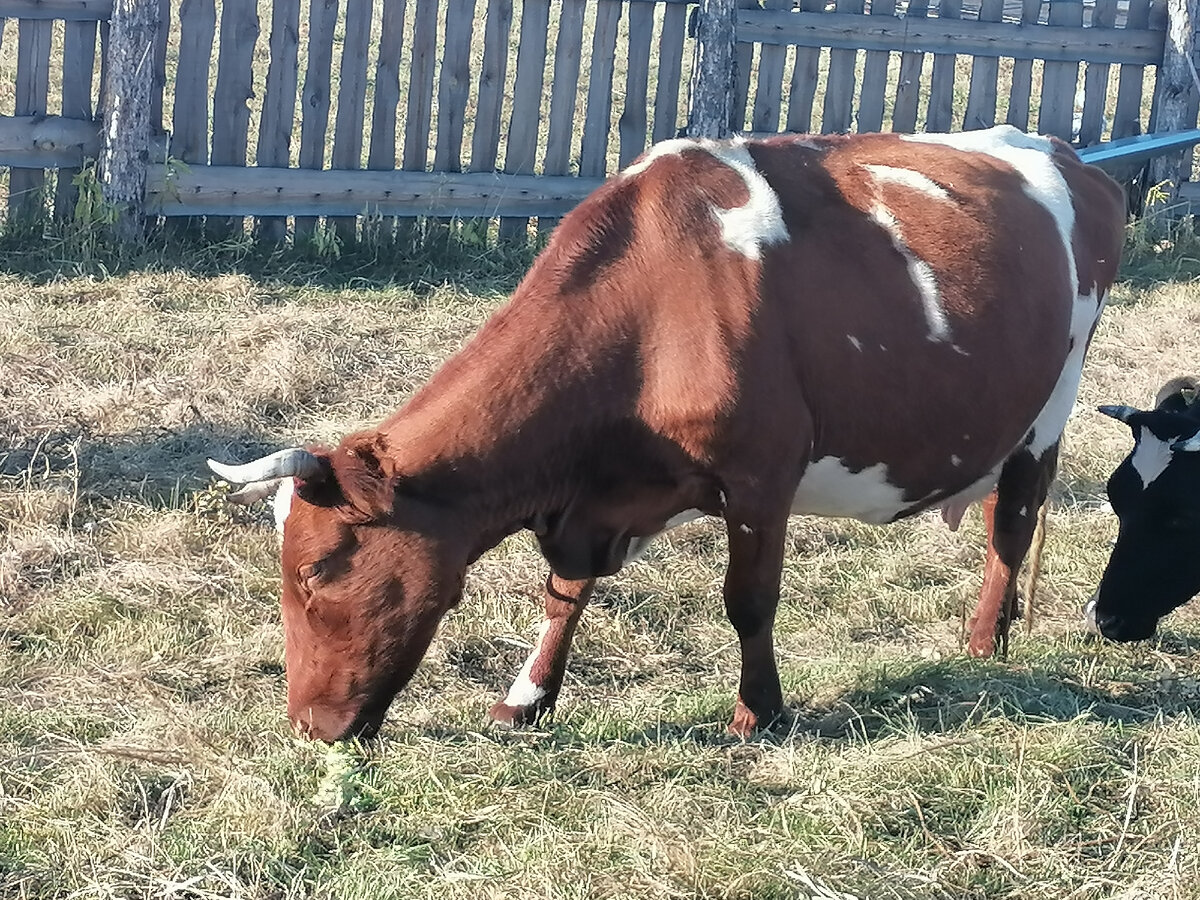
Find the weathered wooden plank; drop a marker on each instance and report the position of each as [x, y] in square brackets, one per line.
[79, 61]
[742, 67]
[1060, 80]
[985, 70]
[712, 87]
[47, 142]
[768, 96]
[419, 113]
[836, 116]
[262, 191]
[279, 102]
[1095, 80]
[521, 145]
[160, 67]
[315, 96]
[454, 85]
[940, 116]
[875, 77]
[70, 10]
[594, 148]
[485, 142]
[234, 88]
[382, 153]
[908, 81]
[670, 72]
[805, 72]
[633, 124]
[33, 83]
[1022, 77]
[839, 31]
[189, 118]
[1127, 118]
[352, 100]
[568, 50]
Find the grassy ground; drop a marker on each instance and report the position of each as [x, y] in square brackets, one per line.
[143, 746]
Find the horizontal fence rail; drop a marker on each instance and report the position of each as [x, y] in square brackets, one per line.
[297, 111]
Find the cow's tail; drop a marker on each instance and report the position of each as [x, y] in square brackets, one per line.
[1035, 563]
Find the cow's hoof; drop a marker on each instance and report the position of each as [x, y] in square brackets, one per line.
[508, 716]
[981, 648]
[746, 722]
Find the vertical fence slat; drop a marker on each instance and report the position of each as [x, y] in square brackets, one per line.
[670, 71]
[160, 67]
[805, 71]
[314, 99]
[352, 102]
[632, 126]
[1060, 79]
[382, 154]
[941, 84]
[485, 142]
[454, 85]
[279, 103]
[1095, 80]
[743, 64]
[593, 152]
[419, 112]
[1022, 77]
[234, 88]
[564, 90]
[189, 118]
[521, 142]
[837, 114]
[908, 81]
[985, 70]
[1127, 119]
[875, 77]
[79, 61]
[33, 84]
[768, 96]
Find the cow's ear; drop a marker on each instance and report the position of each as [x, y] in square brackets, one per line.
[1178, 394]
[366, 473]
[1121, 413]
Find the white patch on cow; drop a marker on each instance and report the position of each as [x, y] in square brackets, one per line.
[283, 502]
[921, 274]
[1031, 155]
[881, 347]
[639, 545]
[1050, 422]
[854, 342]
[955, 460]
[745, 529]
[1089, 616]
[908, 178]
[1024, 511]
[523, 691]
[1150, 457]
[747, 229]
[829, 488]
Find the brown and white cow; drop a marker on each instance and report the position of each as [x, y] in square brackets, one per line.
[864, 326]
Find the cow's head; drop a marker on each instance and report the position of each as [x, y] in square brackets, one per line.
[368, 572]
[1155, 492]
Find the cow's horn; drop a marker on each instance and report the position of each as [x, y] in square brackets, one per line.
[1191, 444]
[293, 462]
[1124, 413]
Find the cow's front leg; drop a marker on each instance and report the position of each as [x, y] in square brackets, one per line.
[535, 690]
[1010, 514]
[751, 596]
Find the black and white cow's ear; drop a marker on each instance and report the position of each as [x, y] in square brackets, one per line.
[1178, 394]
[1123, 413]
[1191, 445]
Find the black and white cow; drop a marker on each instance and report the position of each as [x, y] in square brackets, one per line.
[1155, 492]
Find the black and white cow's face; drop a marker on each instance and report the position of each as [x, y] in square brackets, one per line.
[1155, 492]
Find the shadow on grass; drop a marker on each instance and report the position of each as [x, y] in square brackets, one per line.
[157, 466]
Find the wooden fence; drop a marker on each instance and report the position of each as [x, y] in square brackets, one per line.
[367, 110]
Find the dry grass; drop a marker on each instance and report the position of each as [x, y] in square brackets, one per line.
[143, 748]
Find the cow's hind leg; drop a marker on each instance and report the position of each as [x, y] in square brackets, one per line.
[1011, 516]
[535, 690]
[751, 596]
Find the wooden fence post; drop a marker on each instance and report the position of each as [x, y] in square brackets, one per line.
[1178, 82]
[713, 74]
[125, 148]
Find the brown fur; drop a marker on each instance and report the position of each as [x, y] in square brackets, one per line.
[643, 367]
